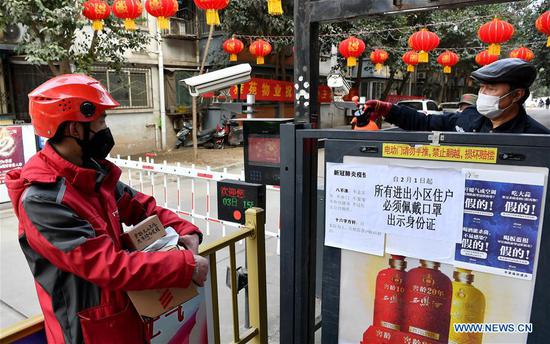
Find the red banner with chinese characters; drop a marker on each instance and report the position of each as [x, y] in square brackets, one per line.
[273, 91]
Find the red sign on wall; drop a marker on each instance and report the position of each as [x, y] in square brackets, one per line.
[12, 155]
[273, 91]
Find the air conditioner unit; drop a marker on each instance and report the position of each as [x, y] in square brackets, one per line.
[12, 34]
[421, 75]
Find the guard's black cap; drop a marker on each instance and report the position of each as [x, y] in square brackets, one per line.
[511, 71]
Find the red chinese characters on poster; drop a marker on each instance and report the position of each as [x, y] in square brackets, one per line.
[11, 150]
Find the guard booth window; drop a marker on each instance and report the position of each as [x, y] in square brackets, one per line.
[130, 87]
[24, 79]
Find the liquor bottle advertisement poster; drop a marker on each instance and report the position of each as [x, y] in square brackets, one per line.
[396, 299]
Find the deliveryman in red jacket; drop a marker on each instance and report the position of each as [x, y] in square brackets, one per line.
[71, 204]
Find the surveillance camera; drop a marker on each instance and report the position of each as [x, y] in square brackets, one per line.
[219, 79]
[339, 85]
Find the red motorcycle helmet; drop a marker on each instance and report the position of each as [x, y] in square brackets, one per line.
[69, 97]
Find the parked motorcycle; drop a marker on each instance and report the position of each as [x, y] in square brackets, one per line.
[229, 133]
[184, 137]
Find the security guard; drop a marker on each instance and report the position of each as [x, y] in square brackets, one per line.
[504, 87]
[466, 100]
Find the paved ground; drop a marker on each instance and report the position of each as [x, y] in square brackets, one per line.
[541, 115]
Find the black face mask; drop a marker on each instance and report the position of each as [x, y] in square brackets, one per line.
[99, 146]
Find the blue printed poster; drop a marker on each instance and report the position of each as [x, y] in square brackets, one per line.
[501, 224]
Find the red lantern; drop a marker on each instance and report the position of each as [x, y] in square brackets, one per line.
[447, 60]
[411, 59]
[543, 25]
[274, 7]
[351, 48]
[378, 57]
[212, 7]
[523, 53]
[96, 11]
[163, 10]
[494, 33]
[128, 10]
[423, 41]
[260, 49]
[233, 46]
[484, 58]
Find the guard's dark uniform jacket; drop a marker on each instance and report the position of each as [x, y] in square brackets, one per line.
[467, 121]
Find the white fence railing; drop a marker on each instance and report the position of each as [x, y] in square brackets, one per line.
[143, 175]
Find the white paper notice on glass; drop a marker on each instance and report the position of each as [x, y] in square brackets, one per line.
[346, 204]
[424, 203]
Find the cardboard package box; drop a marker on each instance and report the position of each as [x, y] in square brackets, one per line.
[143, 234]
[154, 302]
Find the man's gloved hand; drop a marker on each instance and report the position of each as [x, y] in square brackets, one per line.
[201, 270]
[377, 108]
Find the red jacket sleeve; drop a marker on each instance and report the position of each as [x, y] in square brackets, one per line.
[134, 207]
[69, 242]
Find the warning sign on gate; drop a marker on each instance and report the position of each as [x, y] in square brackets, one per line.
[447, 153]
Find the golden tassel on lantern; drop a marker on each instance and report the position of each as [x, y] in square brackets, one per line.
[447, 69]
[494, 49]
[548, 42]
[212, 17]
[130, 24]
[423, 56]
[410, 68]
[97, 25]
[352, 61]
[163, 23]
[233, 57]
[260, 60]
[378, 67]
[274, 7]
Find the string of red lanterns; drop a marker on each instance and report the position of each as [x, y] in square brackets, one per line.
[543, 25]
[96, 11]
[128, 10]
[351, 48]
[212, 7]
[484, 58]
[494, 33]
[411, 59]
[233, 47]
[523, 53]
[378, 57]
[260, 49]
[447, 59]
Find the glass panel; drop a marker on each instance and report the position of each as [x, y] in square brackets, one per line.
[432, 106]
[138, 88]
[413, 105]
[119, 88]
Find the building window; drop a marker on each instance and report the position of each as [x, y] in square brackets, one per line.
[130, 87]
[377, 89]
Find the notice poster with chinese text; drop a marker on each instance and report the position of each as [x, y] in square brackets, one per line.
[502, 216]
[347, 205]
